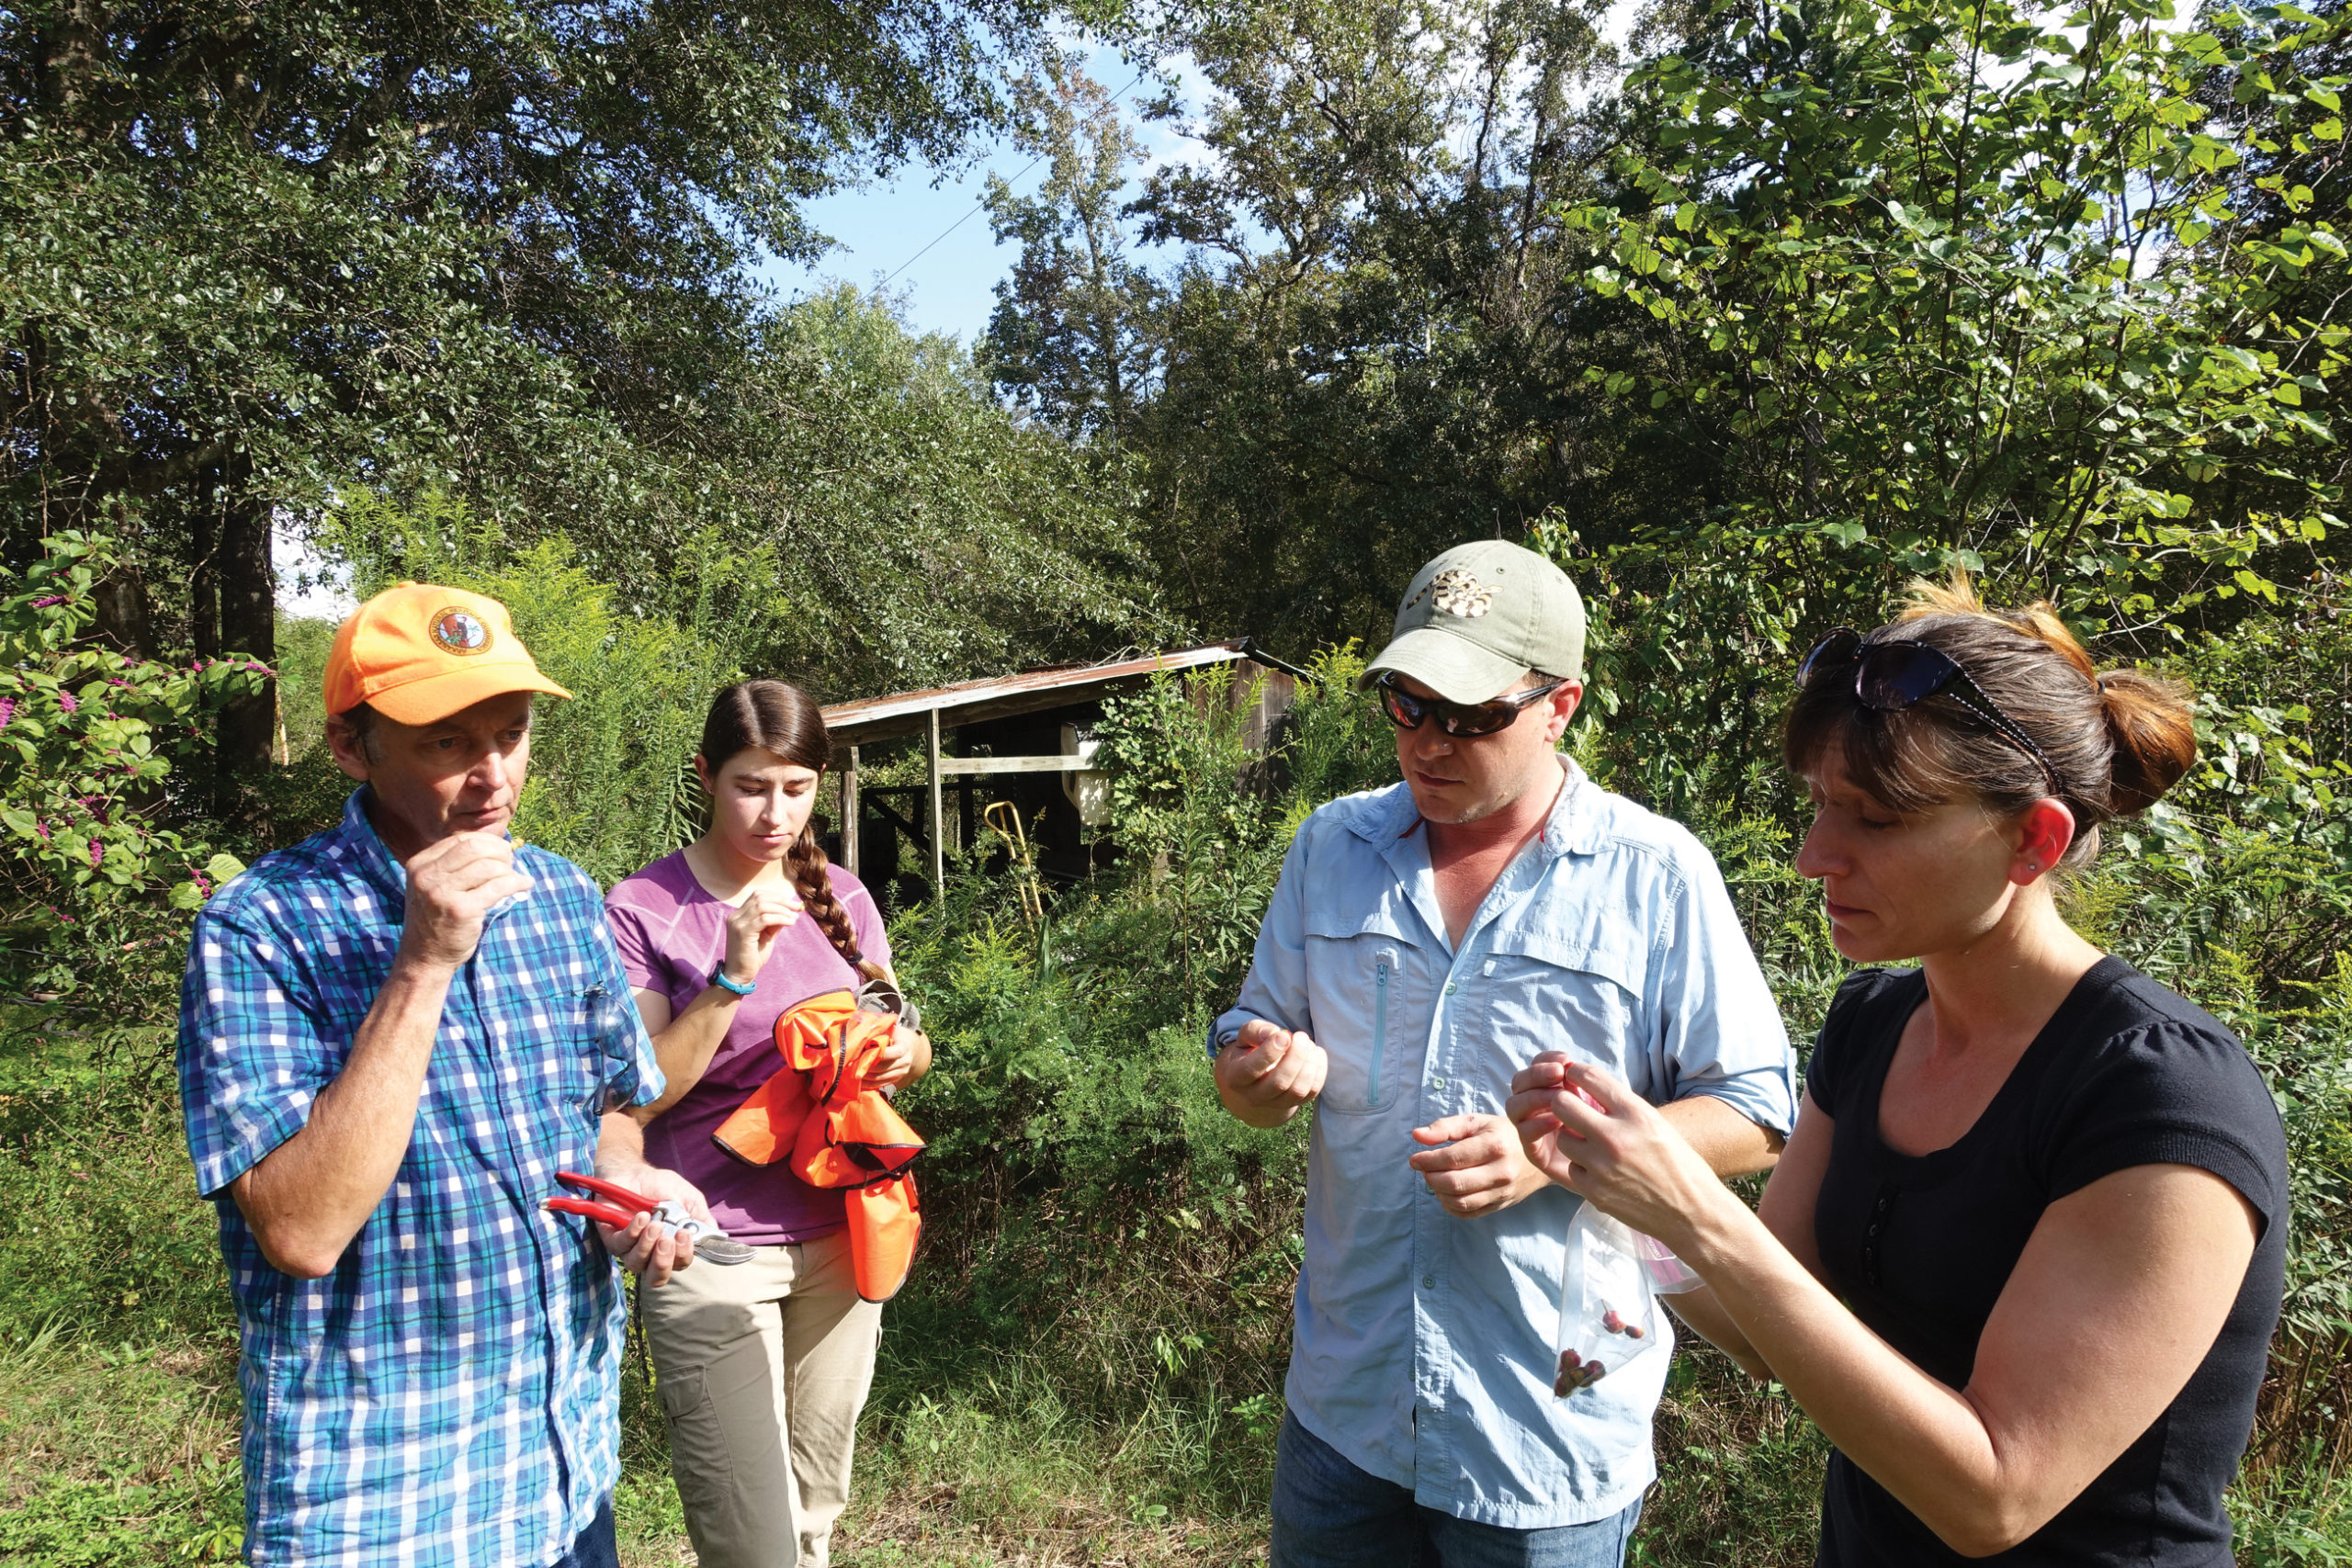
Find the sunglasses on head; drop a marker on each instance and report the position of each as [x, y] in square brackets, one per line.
[1406, 711]
[1893, 675]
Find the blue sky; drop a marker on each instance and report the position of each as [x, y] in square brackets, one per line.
[883, 228]
[950, 288]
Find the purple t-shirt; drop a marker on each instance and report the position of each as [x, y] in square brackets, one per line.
[672, 933]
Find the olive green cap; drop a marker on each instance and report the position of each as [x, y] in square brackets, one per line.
[1479, 617]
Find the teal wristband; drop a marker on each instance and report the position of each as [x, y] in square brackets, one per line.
[719, 978]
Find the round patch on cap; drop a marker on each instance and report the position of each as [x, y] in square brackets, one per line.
[459, 631]
[1460, 593]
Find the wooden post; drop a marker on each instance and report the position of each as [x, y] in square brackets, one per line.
[849, 814]
[938, 823]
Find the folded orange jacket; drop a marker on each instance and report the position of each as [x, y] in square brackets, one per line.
[820, 1118]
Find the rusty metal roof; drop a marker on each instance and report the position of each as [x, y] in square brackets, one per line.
[968, 702]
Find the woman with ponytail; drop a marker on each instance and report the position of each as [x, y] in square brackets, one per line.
[2022, 1257]
[763, 1369]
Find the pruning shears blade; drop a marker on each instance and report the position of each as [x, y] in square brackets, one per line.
[711, 1244]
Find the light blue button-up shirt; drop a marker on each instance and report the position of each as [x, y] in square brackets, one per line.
[1422, 1343]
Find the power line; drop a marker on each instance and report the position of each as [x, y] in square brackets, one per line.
[983, 201]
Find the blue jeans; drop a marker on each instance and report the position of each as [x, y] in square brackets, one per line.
[1329, 1514]
[593, 1547]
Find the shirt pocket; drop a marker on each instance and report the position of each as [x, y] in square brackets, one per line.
[1363, 1004]
[605, 1048]
[558, 1043]
[1542, 992]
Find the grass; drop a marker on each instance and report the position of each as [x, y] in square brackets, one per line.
[1051, 1394]
[1739, 1470]
[125, 1455]
[118, 1454]
[998, 1459]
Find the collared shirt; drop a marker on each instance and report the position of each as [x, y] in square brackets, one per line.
[1422, 1343]
[449, 1395]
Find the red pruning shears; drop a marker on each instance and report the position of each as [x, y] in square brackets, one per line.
[711, 1244]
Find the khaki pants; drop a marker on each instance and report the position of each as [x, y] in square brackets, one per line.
[762, 1369]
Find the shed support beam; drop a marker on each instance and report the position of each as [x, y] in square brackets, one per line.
[849, 814]
[938, 811]
[1013, 765]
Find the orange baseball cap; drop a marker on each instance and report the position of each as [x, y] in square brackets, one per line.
[418, 652]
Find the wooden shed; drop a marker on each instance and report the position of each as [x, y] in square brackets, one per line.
[1026, 738]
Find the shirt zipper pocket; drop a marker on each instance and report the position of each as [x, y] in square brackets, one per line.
[1379, 969]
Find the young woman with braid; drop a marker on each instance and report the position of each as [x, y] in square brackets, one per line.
[763, 1368]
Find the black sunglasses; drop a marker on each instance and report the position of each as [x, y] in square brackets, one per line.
[1406, 711]
[1893, 675]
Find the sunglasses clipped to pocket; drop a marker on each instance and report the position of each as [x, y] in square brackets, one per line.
[1406, 711]
[1898, 674]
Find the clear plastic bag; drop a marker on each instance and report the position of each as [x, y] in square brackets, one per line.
[1609, 1291]
[1669, 1276]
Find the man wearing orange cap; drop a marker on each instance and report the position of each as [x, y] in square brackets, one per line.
[392, 1036]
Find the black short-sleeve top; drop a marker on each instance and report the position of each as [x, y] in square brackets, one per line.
[2124, 1074]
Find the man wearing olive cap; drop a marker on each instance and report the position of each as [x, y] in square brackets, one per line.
[392, 1036]
[1425, 942]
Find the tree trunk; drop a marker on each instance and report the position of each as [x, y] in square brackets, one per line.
[121, 603]
[204, 566]
[248, 626]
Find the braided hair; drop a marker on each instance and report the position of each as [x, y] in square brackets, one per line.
[777, 716]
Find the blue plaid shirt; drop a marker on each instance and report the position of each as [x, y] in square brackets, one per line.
[449, 1395]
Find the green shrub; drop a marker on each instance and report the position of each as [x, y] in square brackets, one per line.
[96, 872]
[101, 1234]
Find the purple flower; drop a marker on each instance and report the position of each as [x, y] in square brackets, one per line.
[45, 603]
[97, 853]
[7, 711]
[66, 701]
[42, 829]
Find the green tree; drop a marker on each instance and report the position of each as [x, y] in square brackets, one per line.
[249, 255]
[1933, 287]
[1828, 293]
[1353, 359]
[1074, 337]
[861, 513]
